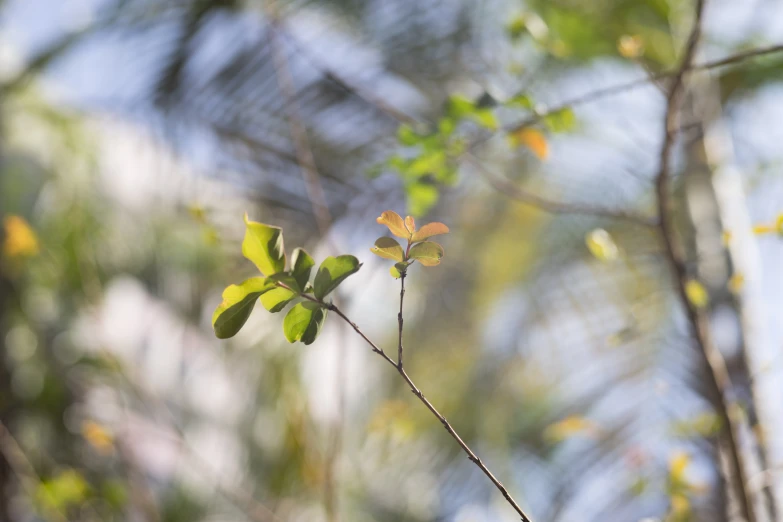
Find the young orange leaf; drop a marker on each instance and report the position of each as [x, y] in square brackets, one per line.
[395, 223]
[429, 230]
[533, 139]
[410, 224]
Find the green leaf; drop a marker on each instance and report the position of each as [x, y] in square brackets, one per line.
[522, 101]
[303, 322]
[238, 302]
[459, 107]
[302, 266]
[332, 272]
[388, 248]
[486, 118]
[276, 299]
[398, 269]
[428, 163]
[426, 253]
[563, 120]
[263, 245]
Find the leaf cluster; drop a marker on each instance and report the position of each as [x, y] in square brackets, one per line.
[427, 253]
[277, 286]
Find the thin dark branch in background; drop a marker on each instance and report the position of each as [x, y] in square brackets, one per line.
[13, 454]
[316, 195]
[717, 372]
[304, 152]
[513, 191]
[620, 88]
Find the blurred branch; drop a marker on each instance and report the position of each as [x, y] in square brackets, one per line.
[315, 194]
[719, 381]
[620, 88]
[513, 191]
[14, 455]
[304, 152]
[498, 183]
[417, 392]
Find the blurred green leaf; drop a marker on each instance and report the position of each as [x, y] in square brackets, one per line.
[63, 491]
[407, 136]
[486, 118]
[263, 245]
[332, 272]
[563, 120]
[388, 248]
[303, 322]
[427, 253]
[421, 197]
[238, 302]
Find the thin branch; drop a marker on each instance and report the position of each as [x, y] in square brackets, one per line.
[513, 191]
[399, 319]
[304, 152]
[627, 86]
[417, 392]
[719, 380]
[17, 460]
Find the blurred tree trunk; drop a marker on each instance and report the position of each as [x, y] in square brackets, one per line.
[714, 203]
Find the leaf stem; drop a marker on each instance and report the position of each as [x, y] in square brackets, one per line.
[400, 320]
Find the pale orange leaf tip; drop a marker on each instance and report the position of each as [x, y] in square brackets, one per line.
[395, 223]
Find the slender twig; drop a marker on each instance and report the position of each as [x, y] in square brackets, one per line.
[417, 392]
[718, 375]
[513, 191]
[399, 319]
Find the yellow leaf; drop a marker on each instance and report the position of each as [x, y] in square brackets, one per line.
[533, 139]
[736, 282]
[601, 245]
[697, 294]
[20, 239]
[677, 465]
[630, 46]
[681, 506]
[763, 229]
[395, 223]
[98, 437]
[779, 224]
[726, 238]
[569, 427]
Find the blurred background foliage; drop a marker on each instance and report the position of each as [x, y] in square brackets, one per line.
[135, 133]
